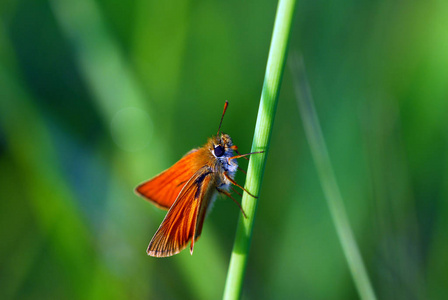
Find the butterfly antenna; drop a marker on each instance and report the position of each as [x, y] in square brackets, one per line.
[222, 117]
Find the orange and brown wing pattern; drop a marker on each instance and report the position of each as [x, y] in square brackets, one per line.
[180, 223]
[165, 187]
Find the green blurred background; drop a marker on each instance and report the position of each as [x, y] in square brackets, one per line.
[97, 96]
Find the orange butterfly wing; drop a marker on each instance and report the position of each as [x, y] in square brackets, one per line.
[163, 189]
[185, 218]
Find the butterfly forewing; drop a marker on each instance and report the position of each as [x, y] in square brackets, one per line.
[183, 220]
[165, 187]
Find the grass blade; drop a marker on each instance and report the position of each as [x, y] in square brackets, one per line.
[263, 128]
[328, 181]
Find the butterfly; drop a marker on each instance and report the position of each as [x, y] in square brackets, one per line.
[188, 189]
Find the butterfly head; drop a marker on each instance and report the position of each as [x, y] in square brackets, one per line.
[221, 146]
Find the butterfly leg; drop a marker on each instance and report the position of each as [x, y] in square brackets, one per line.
[243, 155]
[245, 173]
[235, 148]
[236, 191]
[235, 183]
[230, 196]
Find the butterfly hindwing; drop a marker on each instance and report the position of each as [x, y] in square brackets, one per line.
[181, 222]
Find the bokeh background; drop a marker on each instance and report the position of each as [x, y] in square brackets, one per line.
[97, 96]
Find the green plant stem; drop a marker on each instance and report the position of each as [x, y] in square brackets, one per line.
[263, 129]
[328, 181]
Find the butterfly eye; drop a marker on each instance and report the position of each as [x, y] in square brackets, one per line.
[219, 151]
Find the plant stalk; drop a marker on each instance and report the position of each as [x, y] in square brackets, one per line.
[328, 181]
[262, 135]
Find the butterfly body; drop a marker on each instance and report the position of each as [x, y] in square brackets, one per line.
[188, 190]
